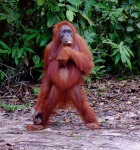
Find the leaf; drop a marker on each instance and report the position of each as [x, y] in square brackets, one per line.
[117, 58]
[4, 45]
[45, 39]
[121, 18]
[86, 17]
[115, 52]
[4, 51]
[16, 59]
[30, 11]
[113, 45]
[138, 36]
[61, 5]
[118, 26]
[43, 43]
[128, 40]
[51, 21]
[29, 37]
[115, 1]
[138, 24]
[134, 14]
[130, 21]
[36, 59]
[14, 52]
[123, 56]
[130, 51]
[84, 26]
[128, 62]
[40, 2]
[70, 15]
[6, 8]
[126, 52]
[130, 29]
[99, 60]
[13, 17]
[24, 28]
[40, 64]
[3, 16]
[38, 38]
[75, 2]
[2, 75]
[20, 52]
[120, 45]
[29, 50]
[72, 8]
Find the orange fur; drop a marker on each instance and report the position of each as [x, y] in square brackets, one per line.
[60, 85]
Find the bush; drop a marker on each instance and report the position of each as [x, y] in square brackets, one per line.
[110, 27]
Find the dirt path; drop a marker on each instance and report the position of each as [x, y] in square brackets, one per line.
[63, 136]
[117, 105]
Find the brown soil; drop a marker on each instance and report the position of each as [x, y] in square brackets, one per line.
[117, 105]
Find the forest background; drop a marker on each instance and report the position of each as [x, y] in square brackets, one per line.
[110, 27]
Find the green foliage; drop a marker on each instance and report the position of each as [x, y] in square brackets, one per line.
[120, 53]
[110, 27]
[11, 108]
[36, 90]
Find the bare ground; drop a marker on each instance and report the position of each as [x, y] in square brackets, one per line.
[117, 105]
